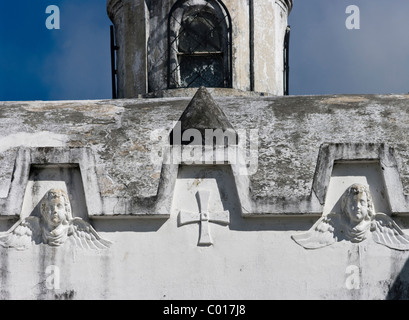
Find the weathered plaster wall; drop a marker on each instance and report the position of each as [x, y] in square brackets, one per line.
[239, 11]
[131, 32]
[270, 23]
[252, 257]
[117, 136]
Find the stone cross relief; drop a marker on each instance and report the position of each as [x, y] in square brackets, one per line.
[204, 217]
[54, 227]
[356, 222]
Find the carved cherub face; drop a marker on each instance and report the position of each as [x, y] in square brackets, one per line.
[357, 203]
[55, 208]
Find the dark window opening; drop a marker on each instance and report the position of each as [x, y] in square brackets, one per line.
[287, 61]
[199, 45]
[114, 71]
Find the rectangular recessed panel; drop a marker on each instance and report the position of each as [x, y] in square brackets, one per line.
[45, 177]
[345, 174]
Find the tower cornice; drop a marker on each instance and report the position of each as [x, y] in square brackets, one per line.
[113, 6]
[287, 4]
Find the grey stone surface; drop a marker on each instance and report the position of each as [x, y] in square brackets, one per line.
[291, 131]
[202, 114]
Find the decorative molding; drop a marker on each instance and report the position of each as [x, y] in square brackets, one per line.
[286, 4]
[113, 7]
[385, 155]
[26, 157]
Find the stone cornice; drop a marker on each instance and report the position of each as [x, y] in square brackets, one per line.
[287, 4]
[113, 6]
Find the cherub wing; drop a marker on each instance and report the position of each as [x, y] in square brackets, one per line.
[85, 236]
[385, 231]
[22, 234]
[326, 231]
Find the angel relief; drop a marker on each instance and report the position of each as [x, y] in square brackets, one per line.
[356, 222]
[54, 226]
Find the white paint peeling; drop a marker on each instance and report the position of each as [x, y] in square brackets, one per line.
[36, 139]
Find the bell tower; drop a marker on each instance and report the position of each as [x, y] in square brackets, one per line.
[171, 44]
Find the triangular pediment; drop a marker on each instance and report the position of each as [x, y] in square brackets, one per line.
[203, 115]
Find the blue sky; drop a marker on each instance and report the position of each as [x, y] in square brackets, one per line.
[40, 64]
[325, 57]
